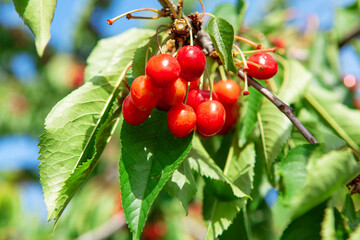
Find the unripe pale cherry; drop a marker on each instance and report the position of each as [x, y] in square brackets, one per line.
[210, 118]
[181, 120]
[267, 68]
[192, 62]
[132, 115]
[144, 94]
[162, 70]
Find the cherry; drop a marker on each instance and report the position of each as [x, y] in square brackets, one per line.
[162, 70]
[132, 115]
[197, 96]
[144, 94]
[181, 120]
[232, 115]
[228, 91]
[268, 66]
[192, 62]
[193, 85]
[175, 93]
[210, 118]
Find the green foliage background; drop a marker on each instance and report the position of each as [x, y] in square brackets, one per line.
[170, 181]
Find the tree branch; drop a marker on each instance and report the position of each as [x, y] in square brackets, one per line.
[205, 42]
[353, 34]
[283, 107]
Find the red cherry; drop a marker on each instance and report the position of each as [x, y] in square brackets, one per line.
[268, 66]
[228, 91]
[210, 118]
[193, 85]
[181, 120]
[162, 70]
[175, 93]
[232, 115]
[192, 62]
[144, 94]
[132, 115]
[197, 96]
[162, 105]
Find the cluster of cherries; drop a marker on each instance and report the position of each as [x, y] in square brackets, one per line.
[165, 87]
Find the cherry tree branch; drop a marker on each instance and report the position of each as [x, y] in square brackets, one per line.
[283, 107]
[205, 42]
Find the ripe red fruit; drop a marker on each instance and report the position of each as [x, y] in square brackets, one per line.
[162, 70]
[268, 66]
[132, 115]
[232, 115]
[175, 93]
[210, 118]
[181, 120]
[197, 96]
[192, 62]
[193, 85]
[228, 91]
[144, 94]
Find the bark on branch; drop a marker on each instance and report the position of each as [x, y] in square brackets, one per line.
[283, 107]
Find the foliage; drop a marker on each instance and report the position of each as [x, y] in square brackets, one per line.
[231, 178]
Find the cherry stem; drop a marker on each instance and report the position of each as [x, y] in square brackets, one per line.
[187, 92]
[272, 50]
[222, 72]
[147, 50]
[203, 9]
[129, 16]
[246, 90]
[209, 14]
[157, 36]
[191, 34]
[242, 57]
[251, 63]
[111, 21]
[283, 107]
[255, 45]
[180, 8]
[175, 53]
[172, 9]
[210, 84]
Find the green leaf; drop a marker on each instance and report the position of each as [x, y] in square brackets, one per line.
[139, 61]
[106, 58]
[249, 115]
[78, 128]
[149, 156]
[275, 130]
[356, 234]
[296, 81]
[219, 214]
[328, 231]
[182, 184]
[233, 14]
[222, 36]
[293, 168]
[239, 169]
[353, 219]
[341, 119]
[37, 15]
[76, 132]
[310, 221]
[219, 184]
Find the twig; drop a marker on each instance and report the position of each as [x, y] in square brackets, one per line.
[205, 40]
[283, 107]
[353, 34]
[106, 229]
